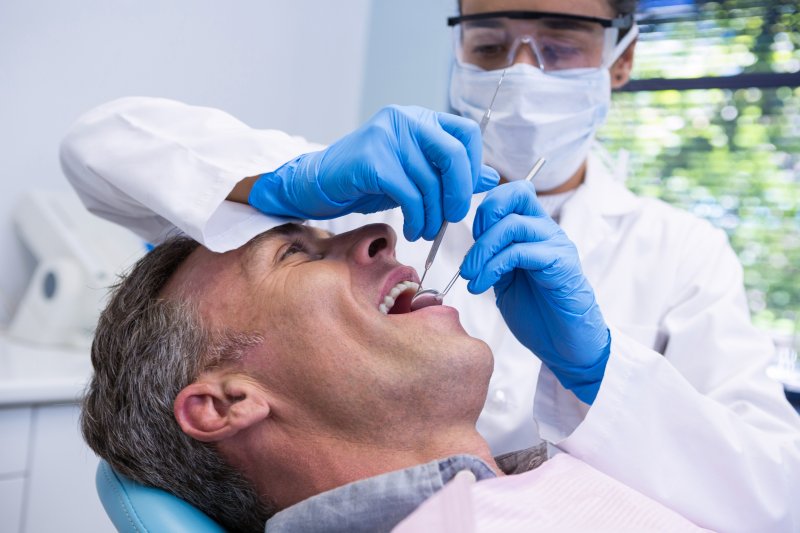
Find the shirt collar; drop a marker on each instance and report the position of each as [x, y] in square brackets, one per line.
[379, 503]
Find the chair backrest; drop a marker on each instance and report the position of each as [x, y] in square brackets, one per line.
[135, 508]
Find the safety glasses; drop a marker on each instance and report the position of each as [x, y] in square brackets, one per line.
[551, 41]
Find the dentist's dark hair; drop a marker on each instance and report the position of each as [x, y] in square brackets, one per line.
[620, 7]
[146, 349]
[624, 7]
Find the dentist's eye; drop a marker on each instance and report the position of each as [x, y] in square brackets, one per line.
[488, 50]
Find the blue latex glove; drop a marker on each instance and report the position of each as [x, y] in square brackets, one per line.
[426, 162]
[540, 288]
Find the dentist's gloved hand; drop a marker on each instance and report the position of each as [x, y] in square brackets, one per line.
[540, 288]
[427, 163]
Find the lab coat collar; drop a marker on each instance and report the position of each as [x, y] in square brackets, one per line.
[586, 217]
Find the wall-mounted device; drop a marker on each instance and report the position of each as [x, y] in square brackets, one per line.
[79, 257]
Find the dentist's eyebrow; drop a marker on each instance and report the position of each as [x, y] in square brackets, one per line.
[488, 23]
[564, 24]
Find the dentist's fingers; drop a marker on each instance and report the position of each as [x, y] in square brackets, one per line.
[450, 156]
[427, 180]
[489, 258]
[516, 197]
[488, 180]
[468, 133]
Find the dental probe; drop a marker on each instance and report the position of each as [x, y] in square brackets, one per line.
[488, 114]
[437, 241]
[432, 295]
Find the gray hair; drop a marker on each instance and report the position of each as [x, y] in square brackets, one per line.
[146, 349]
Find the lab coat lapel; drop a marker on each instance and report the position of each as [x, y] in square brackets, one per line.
[587, 217]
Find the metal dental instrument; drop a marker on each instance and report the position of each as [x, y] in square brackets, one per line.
[488, 114]
[437, 241]
[428, 297]
[535, 169]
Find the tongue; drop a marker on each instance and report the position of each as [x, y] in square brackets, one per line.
[402, 303]
[424, 300]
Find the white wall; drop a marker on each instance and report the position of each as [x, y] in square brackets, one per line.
[294, 65]
[409, 50]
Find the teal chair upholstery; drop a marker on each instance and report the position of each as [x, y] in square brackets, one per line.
[135, 508]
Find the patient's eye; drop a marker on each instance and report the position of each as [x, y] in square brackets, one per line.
[294, 247]
[297, 246]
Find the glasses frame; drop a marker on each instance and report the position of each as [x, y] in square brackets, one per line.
[615, 29]
[622, 22]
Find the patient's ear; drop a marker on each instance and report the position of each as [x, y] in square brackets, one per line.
[216, 407]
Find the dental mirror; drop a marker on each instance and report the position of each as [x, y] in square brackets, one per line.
[429, 297]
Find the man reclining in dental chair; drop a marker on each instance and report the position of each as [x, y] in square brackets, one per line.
[265, 385]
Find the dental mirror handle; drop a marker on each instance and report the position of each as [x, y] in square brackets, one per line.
[534, 170]
[450, 284]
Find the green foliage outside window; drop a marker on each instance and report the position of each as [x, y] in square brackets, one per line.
[730, 156]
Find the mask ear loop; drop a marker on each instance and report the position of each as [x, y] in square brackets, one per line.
[621, 46]
[620, 170]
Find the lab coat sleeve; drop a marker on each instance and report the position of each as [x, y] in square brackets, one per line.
[158, 166]
[701, 428]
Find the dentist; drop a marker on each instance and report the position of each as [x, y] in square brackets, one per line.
[646, 364]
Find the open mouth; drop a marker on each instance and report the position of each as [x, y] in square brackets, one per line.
[398, 301]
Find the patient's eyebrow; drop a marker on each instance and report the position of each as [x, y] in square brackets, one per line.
[290, 229]
[284, 232]
[325, 234]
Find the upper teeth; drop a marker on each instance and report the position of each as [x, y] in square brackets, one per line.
[397, 290]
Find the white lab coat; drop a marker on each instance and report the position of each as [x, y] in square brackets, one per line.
[685, 414]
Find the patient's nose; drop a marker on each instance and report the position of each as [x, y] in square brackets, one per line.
[372, 242]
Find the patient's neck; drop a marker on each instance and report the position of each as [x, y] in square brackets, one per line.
[307, 464]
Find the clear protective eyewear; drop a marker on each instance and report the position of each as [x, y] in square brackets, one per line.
[551, 41]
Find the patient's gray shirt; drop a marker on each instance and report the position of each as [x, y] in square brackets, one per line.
[379, 503]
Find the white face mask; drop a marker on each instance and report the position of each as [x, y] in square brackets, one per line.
[536, 115]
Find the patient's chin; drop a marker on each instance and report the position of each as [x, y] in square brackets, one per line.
[474, 361]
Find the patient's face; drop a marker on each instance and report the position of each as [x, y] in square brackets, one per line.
[330, 351]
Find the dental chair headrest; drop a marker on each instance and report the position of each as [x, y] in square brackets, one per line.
[135, 508]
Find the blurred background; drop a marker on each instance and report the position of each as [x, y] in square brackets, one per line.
[710, 122]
